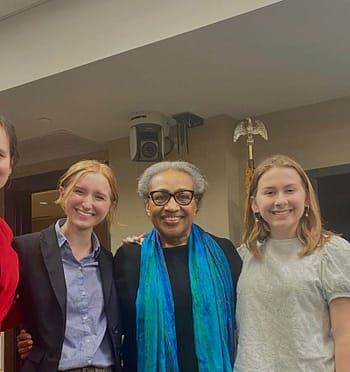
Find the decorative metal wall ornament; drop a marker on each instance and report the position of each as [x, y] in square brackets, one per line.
[249, 127]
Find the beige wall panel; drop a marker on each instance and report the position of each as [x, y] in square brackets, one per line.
[52, 165]
[317, 135]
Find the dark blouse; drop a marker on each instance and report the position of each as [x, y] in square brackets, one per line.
[127, 265]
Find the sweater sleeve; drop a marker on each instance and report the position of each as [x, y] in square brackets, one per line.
[9, 272]
[336, 269]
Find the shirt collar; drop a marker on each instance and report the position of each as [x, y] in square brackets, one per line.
[62, 240]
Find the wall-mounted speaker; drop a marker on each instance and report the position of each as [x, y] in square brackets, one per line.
[146, 142]
[149, 134]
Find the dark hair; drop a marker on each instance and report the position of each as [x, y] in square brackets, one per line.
[11, 134]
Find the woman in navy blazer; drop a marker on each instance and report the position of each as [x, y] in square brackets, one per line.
[67, 288]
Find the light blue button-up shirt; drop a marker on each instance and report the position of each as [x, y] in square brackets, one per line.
[85, 342]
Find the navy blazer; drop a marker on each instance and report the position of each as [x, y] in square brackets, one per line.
[42, 292]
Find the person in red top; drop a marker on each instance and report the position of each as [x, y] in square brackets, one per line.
[8, 257]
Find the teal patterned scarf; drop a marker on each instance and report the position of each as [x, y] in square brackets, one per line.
[212, 306]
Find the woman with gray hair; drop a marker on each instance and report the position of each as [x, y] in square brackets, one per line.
[177, 289]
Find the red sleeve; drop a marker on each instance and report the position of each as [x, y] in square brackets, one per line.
[9, 272]
[13, 317]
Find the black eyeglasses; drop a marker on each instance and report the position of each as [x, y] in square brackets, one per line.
[182, 197]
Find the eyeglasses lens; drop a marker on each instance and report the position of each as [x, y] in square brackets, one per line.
[161, 198]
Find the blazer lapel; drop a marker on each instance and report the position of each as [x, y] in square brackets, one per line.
[53, 261]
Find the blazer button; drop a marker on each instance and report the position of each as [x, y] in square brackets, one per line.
[115, 330]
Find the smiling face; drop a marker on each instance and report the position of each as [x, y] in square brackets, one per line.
[87, 202]
[172, 221]
[5, 157]
[280, 199]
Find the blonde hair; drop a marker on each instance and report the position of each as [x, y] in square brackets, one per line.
[71, 177]
[310, 232]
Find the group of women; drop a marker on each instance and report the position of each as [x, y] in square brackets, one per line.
[172, 296]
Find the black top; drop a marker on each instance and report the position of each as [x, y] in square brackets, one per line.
[127, 265]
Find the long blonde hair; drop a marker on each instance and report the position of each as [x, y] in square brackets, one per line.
[309, 230]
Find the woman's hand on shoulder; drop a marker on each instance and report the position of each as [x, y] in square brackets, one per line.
[134, 239]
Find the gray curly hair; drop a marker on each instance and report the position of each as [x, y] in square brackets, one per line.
[199, 181]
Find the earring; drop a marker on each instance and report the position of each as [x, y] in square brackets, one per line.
[257, 217]
[306, 212]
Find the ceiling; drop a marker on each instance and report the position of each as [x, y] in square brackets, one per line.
[9, 8]
[289, 54]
